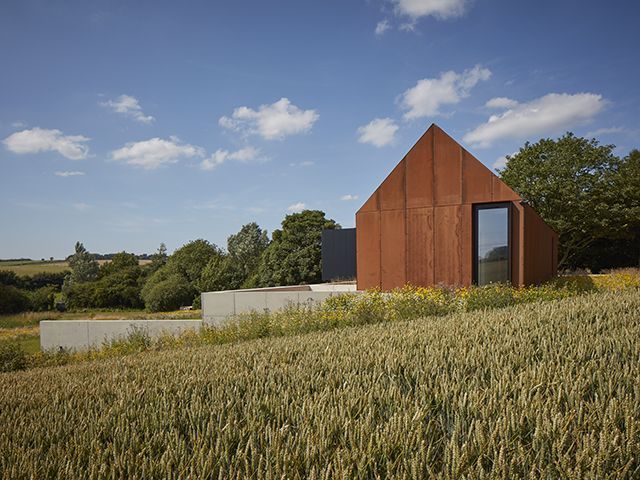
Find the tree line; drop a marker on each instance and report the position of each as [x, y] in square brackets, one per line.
[251, 259]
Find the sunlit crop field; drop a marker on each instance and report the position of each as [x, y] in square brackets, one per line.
[544, 390]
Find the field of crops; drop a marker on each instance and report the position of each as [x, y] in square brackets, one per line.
[544, 390]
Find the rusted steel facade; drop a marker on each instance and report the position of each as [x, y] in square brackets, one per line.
[417, 227]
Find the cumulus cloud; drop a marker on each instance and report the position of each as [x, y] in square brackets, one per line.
[220, 156]
[68, 174]
[155, 152]
[501, 162]
[349, 197]
[128, 106]
[296, 207]
[440, 9]
[429, 94]
[382, 27]
[271, 122]
[42, 140]
[545, 115]
[605, 131]
[501, 103]
[378, 132]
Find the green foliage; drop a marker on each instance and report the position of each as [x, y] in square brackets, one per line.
[190, 259]
[8, 277]
[12, 357]
[222, 272]
[158, 259]
[167, 291]
[294, 255]
[117, 286]
[43, 299]
[580, 189]
[539, 391]
[84, 267]
[13, 300]
[245, 249]
[120, 262]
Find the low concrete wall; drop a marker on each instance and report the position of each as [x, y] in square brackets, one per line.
[86, 334]
[218, 306]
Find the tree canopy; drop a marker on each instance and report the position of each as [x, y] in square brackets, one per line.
[294, 255]
[581, 189]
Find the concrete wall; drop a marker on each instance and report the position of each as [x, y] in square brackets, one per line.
[86, 334]
[218, 306]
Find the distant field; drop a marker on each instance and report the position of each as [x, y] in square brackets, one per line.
[38, 266]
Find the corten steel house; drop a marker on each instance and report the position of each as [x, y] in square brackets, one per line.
[442, 217]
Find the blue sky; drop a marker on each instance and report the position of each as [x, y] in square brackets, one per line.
[126, 124]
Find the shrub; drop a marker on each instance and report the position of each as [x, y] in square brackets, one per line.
[43, 298]
[13, 300]
[12, 357]
[169, 293]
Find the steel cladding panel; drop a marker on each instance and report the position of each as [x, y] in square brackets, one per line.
[447, 237]
[420, 246]
[419, 165]
[392, 192]
[393, 249]
[501, 192]
[368, 249]
[477, 180]
[447, 170]
[539, 262]
[466, 244]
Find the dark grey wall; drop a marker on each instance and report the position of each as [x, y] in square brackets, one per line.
[339, 254]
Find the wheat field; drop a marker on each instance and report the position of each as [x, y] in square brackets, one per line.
[544, 390]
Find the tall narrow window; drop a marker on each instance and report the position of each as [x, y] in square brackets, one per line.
[492, 245]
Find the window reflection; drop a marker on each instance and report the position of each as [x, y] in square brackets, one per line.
[492, 245]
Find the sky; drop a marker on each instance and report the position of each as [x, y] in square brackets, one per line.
[127, 124]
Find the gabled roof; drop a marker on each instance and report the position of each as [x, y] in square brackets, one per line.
[438, 171]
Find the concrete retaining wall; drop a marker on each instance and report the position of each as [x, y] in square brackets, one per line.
[86, 334]
[218, 306]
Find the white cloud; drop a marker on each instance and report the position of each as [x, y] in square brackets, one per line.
[382, 27]
[155, 152]
[544, 115]
[271, 122]
[128, 106]
[378, 132]
[220, 156]
[68, 174]
[43, 140]
[18, 124]
[501, 162]
[296, 207]
[605, 131]
[501, 103]
[429, 94]
[440, 9]
[349, 197]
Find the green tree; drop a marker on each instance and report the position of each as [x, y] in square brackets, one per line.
[84, 267]
[167, 291]
[158, 259]
[222, 273]
[574, 184]
[294, 255]
[245, 250]
[120, 261]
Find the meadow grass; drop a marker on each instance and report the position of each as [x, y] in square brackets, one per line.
[540, 390]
